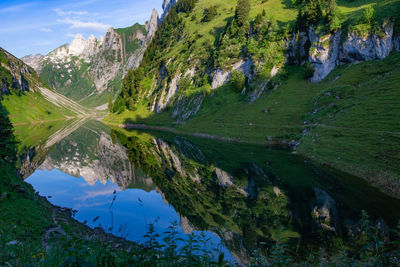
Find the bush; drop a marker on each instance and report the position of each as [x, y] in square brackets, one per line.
[209, 14]
[237, 81]
[368, 15]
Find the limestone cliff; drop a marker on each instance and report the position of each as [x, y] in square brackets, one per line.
[88, 68]
[330, 50]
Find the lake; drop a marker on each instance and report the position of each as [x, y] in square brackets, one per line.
[241, 197]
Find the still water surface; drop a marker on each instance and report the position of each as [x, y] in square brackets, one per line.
[247, 196]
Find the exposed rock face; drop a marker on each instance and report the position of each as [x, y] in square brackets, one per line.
[20, 73]
[296, 48]
[173, 160]
[223, 178]
[396, 42]
[167, 4]
[168, 93]
[324, 53]
[328, 51]
[358, 48]
[185, 225]
[35, 61]
[185, 107]
[257, 93]
[98, 62]
[152, 25]
[221, 77]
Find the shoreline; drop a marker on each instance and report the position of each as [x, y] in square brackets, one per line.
[273, 142]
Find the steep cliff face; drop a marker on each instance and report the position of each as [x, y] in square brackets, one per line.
[88, 68]
[15, 75]
[152, 25]
[329, 51]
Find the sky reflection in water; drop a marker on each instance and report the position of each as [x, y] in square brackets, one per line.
[133, 209]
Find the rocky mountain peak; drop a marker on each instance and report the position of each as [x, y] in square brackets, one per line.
[78, 45]
[35, 61]
[152, 25]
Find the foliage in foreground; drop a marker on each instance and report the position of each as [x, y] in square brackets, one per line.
[170, 250]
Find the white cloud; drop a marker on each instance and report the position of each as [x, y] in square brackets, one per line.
[93, 194]
[61, 12]
[78, 24]
[45, 30]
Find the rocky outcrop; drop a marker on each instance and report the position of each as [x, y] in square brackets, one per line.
[396, 42]
[324, 53]
[185, 107]
[296, 48]
[363, 48]
[172, 158]
[152, 25]
[167, 4]
[186, 227]
[329, 51]
[221, 76]
[168, 93]
[35, 61]
[23, 77]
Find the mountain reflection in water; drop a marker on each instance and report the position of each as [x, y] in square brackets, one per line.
[248, 196]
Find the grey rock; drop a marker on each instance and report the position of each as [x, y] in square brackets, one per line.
[35, 61]
[152, 25]
[221, 76]
[185, 107]
[363, 48]
[324, 53]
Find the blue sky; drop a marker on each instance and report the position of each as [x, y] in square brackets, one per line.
[31, 27]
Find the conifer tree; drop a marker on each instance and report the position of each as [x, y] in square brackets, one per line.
[242, 11]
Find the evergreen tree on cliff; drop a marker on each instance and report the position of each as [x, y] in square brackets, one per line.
[242, 11]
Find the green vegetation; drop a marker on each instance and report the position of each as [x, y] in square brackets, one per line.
[288, 110]
[131, 44]
[263, 218]
[31, 107]
[327, 118]
[21, 96]
[68, 77]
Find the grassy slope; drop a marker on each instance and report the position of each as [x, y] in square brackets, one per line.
[28, 106]
[32, 107]
[358, 133]
[225, 113]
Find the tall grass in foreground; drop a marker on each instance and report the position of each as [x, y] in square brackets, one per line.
[169, 249]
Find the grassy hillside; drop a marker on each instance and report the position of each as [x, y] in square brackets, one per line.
[32, 107]
[21, 94]
[348, 121]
